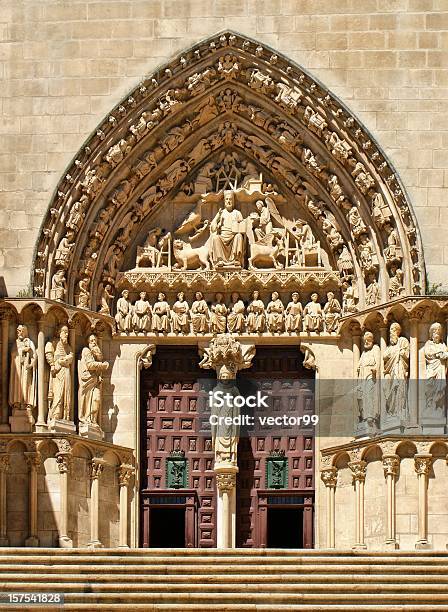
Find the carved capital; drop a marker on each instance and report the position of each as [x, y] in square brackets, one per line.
[144, 359]
[329, 477]
[422, 464]
[359, 470]
[391, 464]
[4, 462]
[125, 473]
[227, 356]
[96, 468]
[33, 459]
[64, 446]
[63, 461]
[226, 481]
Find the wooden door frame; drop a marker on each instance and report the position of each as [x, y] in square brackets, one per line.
[189, 503]
[263, 504]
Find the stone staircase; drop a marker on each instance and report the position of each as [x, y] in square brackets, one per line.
[242, 579]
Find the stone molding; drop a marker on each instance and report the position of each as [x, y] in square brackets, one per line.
[235, 64]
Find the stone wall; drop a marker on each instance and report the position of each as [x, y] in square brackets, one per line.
[64, 65]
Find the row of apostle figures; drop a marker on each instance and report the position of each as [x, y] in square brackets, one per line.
[142, 318]
[60, 358]
[394, 366]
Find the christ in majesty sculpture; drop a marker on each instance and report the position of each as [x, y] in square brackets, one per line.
[227, 242]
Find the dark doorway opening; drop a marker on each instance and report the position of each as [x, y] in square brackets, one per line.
[167, 528]
[285, 528]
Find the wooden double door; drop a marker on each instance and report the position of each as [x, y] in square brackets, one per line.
[275, 484]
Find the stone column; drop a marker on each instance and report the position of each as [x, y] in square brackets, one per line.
[41, 424]
[391, 465]
[422, 464]
[33, 460]
[63, 460]
[124, 476]
[226, 511]
[97, 467]
[329, 477]
[4, 465]
[72, 342]
[412, 425]
[4, 423]
[359, 469]
[383, 346]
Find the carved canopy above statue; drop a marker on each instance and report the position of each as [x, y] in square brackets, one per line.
[312, 191]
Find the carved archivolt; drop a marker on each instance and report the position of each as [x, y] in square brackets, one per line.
[172, 135]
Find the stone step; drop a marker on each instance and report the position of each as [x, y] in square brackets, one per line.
[169, 568]
[148, 559]
[351, 598]
[225, 552]
[247, 587]
[204, 607]
[202, 579]
[234, 580]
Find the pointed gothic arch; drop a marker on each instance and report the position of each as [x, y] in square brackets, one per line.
[228, 95]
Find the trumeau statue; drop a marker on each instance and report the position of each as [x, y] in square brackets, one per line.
[59, 356]
[436, 358]
[226, 355]
[91, 368]
[22, 378]
[396, 372]
[368, 375]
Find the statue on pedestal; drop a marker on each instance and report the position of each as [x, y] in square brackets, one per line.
[22, 377]
[90, 375]
[436, 359]
[396, 372]
[368, 374]
[59, 356]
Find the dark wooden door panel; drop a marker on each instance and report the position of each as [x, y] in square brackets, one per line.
[170, 399]
[279, 373]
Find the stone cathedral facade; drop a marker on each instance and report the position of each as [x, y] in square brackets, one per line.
[229, 223]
